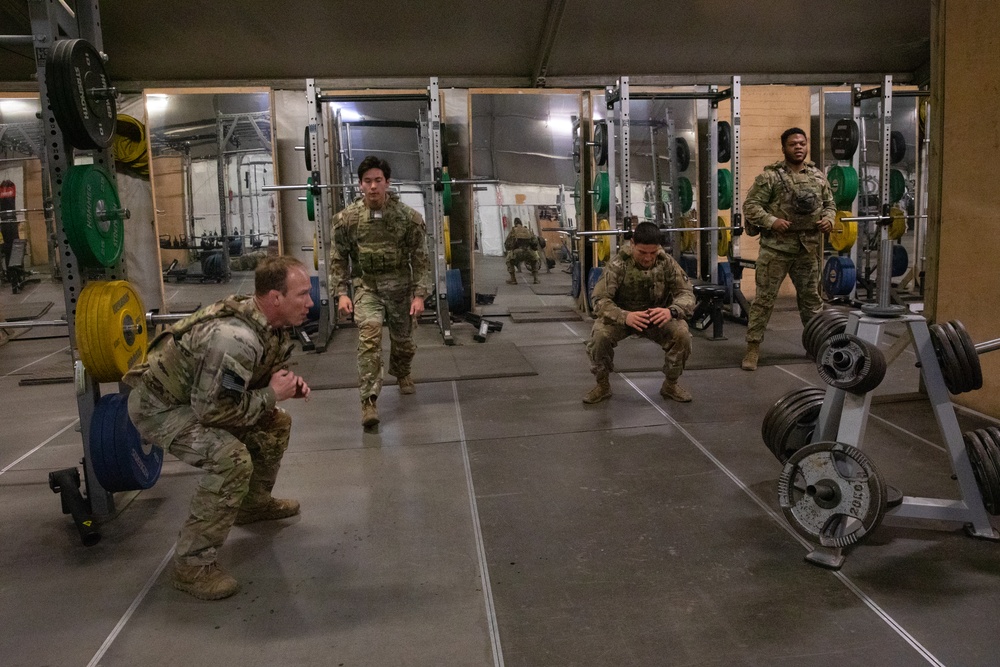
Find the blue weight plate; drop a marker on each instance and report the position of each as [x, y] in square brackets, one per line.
[456, 292]
[592, 277]
[314, 295]
[102, 429]
[900, 260]
[839, 276]
[726, 279]
[139, 463]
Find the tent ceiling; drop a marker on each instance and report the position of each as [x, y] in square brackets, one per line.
[569, 42]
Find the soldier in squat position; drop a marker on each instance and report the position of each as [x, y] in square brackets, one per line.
[641, 291]
[521, 246]
[379, 245]
[791, 205]
[206, 393]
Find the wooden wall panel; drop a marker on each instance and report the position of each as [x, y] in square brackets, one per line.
[168, 197]
[964, 201]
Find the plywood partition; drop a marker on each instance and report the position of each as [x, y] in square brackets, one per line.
[168, 191]
[963, 198]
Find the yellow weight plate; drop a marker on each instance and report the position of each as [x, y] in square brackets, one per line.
[447, 240]
[86, 334]
[689, 240]
[725, 237]
[111, 329]
[603, 244]
[844, 232]
[897, 228]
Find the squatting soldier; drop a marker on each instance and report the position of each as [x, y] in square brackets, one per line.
[380, 245]
[792, 205]
[207, 394]
[521, 245]
[641, 291]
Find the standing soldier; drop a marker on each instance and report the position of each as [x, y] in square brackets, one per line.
[206, 393]
[521, 246]
[379, 244]
[792, 205]
[644, 291]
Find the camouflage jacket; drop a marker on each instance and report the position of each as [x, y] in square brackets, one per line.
[775, 194]
[624, 287]
[381, 250]
[520, 238]
[219, 361]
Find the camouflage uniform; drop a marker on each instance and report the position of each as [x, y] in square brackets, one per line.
[522, 246]
[795, 252]
[384, 254]
[624, 287]
[203, 395]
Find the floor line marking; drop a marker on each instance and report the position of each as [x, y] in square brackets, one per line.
[484, 570]
[96, 660]
[45, 442]
[62, 349]
[896, 627]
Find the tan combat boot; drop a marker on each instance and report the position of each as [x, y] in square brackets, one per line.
[600, 392]
[670, 389]
[406, 385]
[534, 278]
[273, 509]
[750, 360]
[512, 280]
[205, 582]
[369, 413]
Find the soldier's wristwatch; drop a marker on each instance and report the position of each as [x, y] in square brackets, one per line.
[675, 312]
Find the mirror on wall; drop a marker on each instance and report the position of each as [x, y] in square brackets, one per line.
[212, 155]
[524, 142]
[23, 185]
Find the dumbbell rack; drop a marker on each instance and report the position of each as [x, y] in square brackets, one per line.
[844, 418]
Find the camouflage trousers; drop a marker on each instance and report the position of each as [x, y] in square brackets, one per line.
[674, 338]
[518, 255]
[772, 267]
[240, 466]
[372, 310]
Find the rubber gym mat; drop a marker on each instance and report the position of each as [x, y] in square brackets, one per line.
[545, 290]
[59, 372]
[545, 314]
[441, 363]
[31, 310]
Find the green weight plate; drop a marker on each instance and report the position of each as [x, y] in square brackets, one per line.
[685, 194]
[725, 198]
[80, 95]
[310, 201]
[844, 184]
[446, 193]
[897, 185]
[576, 194]
[92, 216]
[602, 192]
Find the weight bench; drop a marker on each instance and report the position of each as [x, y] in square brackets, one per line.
[708, 309]
[16, 274]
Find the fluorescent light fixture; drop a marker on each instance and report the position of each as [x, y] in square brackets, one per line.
[13, 106]
[156, 103]
[346, 115]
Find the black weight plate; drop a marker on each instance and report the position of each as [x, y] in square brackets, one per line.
[847, 362]
[990, 439]
[601, 143]
[979, 458]
[308, 156]
[946, 359]
[799, 425]
[74, 72]
[967, 379]
[831, 323]
[575, 280]
[778, 410]
[576, 161]
[844, 139]
[970, 352]
[725, 141]
[784, 408]
[683, 153]
[875, 375]
[897, 146]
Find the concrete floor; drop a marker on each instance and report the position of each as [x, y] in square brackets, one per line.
[497, 521]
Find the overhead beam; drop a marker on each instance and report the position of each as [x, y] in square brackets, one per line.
[553, 18]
